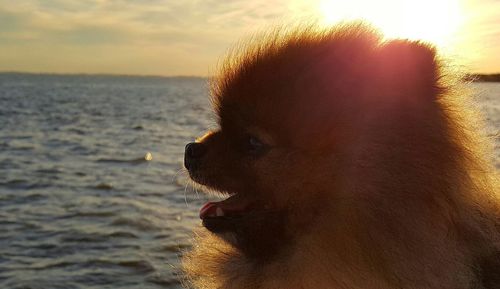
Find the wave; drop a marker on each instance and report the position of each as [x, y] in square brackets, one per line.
[140, 224]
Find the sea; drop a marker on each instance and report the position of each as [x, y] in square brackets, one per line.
[92, 188]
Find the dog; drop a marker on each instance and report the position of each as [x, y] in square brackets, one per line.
[348, 161]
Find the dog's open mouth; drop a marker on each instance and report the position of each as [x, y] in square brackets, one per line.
[224, 215]
[254, 226]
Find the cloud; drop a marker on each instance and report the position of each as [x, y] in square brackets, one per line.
[153, 36]
[149, 36]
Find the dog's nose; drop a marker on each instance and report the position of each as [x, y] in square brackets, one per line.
[194, 151]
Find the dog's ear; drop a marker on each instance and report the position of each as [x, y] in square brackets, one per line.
[408, 66]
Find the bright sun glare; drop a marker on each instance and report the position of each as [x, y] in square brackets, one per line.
[430, 20]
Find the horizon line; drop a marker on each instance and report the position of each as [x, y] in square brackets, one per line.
[110, 74]
[101, 74]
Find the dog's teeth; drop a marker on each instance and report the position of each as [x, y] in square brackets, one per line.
[219, 212]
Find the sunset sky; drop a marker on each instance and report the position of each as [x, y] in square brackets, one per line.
[187, 37]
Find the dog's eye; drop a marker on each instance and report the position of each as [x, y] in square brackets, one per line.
[254, 145]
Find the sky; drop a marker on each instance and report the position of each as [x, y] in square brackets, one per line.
[189, 37]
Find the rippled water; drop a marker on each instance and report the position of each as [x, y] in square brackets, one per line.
[80, 204]
[91, 189]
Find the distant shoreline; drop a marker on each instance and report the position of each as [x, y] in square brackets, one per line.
[495, 77]
[475, 77]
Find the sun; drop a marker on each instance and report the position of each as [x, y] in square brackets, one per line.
[435, 21]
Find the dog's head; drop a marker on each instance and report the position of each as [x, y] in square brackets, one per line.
[293, 112]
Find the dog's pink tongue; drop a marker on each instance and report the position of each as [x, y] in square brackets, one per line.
[231, 206]
[211, 209]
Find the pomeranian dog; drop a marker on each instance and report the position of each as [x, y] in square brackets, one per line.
[348, 161]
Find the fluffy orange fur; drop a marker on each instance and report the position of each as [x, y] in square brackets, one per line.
[374, 153]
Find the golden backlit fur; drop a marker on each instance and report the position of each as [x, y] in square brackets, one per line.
[376, 156]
